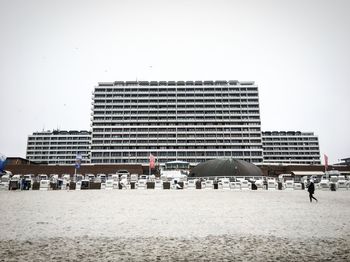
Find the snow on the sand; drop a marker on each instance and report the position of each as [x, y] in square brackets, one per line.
[170, 225]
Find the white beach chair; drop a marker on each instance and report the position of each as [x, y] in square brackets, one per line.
[225, 184]
[209, 184]
[142, 184]
[5, 181]
[245, 185]
[289, 185]
[109, 184]
[78, 185]
[191, 184]
[342, 184]
[271, 184]
[324, 185]
[134, 178]
[44, 184]
[237, 186]
[158, 184]
[298, 186]
[115, 184]
[220, 185]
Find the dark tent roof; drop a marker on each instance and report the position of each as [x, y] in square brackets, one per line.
[225, 167]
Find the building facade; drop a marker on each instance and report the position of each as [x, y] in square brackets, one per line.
[344, 162]
[290, 147]
[191, 121]
[59, 147]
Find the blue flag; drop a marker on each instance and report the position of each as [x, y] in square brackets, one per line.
[78, 161]
[2, 162]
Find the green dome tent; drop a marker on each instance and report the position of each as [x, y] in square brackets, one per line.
[225, 167]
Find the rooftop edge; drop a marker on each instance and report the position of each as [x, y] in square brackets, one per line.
[176, 83]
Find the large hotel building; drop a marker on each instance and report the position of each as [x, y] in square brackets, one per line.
[290, 147]
[191, 121]
[59, 147]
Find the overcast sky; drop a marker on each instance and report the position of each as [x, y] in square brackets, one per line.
[53, 53]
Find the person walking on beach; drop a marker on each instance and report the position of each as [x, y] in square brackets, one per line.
[311, 190]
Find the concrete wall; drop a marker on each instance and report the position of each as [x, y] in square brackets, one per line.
[63, 169]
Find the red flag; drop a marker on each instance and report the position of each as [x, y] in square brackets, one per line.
[151, 161]
[325, 162]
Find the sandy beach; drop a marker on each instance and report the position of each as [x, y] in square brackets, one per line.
[170, 225]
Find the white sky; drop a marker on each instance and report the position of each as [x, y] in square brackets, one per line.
[53, 53]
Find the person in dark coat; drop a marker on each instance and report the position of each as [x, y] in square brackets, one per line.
[311, 190]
